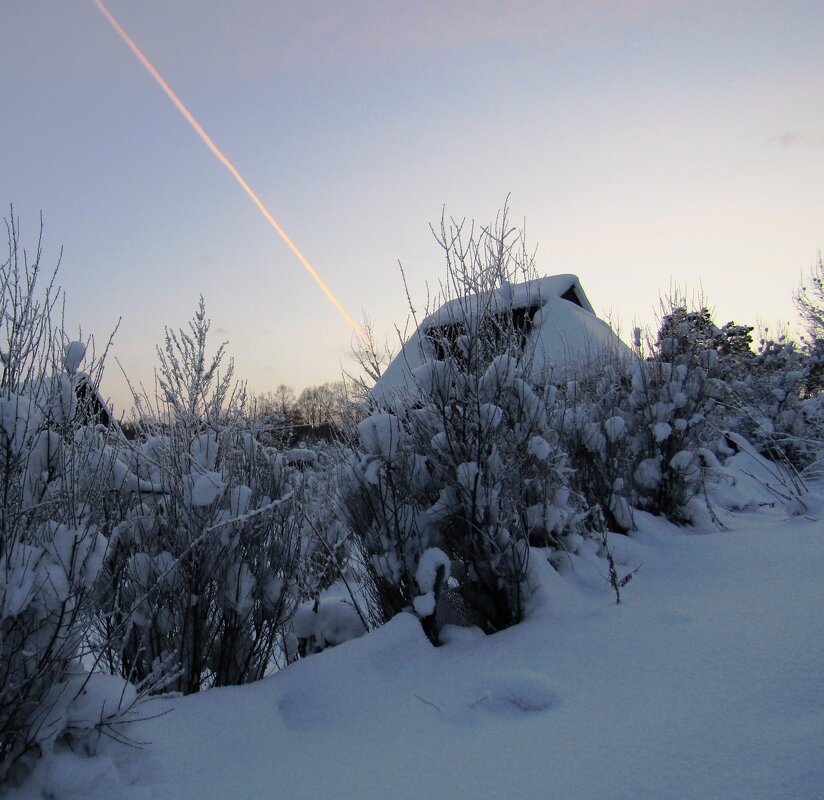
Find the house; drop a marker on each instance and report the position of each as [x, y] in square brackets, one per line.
[92, 409]
[550, 319]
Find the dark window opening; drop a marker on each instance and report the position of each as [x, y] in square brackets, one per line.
[90, 407]
[571, 295]
[495, 334]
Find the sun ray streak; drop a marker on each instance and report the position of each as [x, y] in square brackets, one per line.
[218, 154]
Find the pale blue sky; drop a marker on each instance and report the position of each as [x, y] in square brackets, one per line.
[643, 143]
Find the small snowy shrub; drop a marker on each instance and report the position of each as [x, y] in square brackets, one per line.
[201, 571]
[326, 622]
[597, 424]
[668, 405]
[333, 608]
[325, 543]
[384, 488]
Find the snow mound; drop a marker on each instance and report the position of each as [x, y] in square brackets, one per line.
[206, 488]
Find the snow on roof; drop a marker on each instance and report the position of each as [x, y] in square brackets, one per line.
[565, 335]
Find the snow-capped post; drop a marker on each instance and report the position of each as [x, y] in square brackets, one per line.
[73, 356]
[432, 575]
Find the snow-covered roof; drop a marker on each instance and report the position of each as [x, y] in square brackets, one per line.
[564, 334]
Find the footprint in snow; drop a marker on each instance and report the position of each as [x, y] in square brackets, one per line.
[512, 692]
[303, 708]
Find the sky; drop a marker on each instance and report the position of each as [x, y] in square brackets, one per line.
[643, 146]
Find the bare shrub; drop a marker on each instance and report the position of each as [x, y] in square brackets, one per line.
[201, 571]
[467, 463]
[809, 300]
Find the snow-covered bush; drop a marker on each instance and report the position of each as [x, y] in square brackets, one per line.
[809, 300]
[596, 424]
[469, 462]
[634, 430]
[329, 620]
[646, 423]
[201, 570]
[668, 405]
[685, 335]
[778, 404]
[325, 545]
[333, 606]
[772, 395]
[55, 473]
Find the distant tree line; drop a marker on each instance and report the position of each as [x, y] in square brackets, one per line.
[316, 407]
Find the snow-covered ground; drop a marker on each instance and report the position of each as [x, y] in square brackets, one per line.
[707, 681]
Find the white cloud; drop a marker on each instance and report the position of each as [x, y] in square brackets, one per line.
[795, 139]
